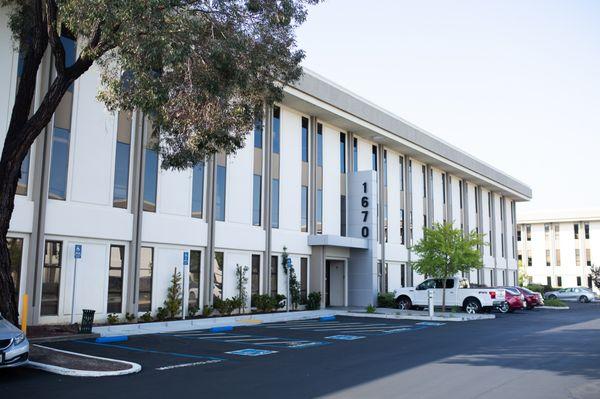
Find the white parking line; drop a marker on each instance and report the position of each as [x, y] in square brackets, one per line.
[225, 337]
[248, 339]
[176, 366]
[197, 334]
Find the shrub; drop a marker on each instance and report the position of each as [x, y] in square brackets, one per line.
[554, 302]
[207, 310]
[146, 317]
[264, 303]
[162, 314]
[370, 309]
[225, 306]
[314, 301]
[192, 310]
[386, 300]
[129, 317]
[112, 318]
[540, 288]
[172, 305]
[279, 301]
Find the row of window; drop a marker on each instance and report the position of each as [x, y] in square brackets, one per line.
[588, 256]
[559, 281]
[547, 230]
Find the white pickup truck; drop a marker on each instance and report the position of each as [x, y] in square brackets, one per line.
[458, 293]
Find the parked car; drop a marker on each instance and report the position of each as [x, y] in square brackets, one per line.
[514, 300]
[579, 294]
[14, 347]
[532, 298]
[458, 293]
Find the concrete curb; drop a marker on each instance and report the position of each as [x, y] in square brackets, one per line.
[554, 307]
[421, 318]
[135, 368]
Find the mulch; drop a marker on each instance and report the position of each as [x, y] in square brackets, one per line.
[73, 361]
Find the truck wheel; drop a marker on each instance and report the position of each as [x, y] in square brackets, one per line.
[583, 299]
[472, 306]
[505, 308]
[404, 303]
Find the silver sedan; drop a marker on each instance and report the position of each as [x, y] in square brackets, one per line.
[579, 294]
[14, 347]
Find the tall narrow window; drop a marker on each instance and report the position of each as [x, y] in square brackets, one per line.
[304, 139]
[385, 169]
[24, 179]
[586, 229]
[256, 199]
[115, 279]
[557, 257]
[150, 176]
[528, 231]
[444, 192]
[547, 231]
[589, 282]
[275, 203]
[258, 133]
[549, 281]
[343, 216]
[15, 250]
[319, 144]
[576, 231]
[276, 130]
[319, 211]
[577, 257]
[194, 279]
[221, 188]
[123, 149]
[548, 257]
[424, 180]
[51, 278]
[557, 233]
[274, 274]
[558, 281]
[255, 282]
[342, 153]
[303, 278]
[198, 190]
[401, 173]
[218, 276]
[588, 257]
[402, 226]
[519, 233]
[579, 281]
[145, 281]
[460, 194]
[374, 157]
[304, 210]
[355, 155]
[61, 134]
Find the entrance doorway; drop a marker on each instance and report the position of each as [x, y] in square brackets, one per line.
[335, 277]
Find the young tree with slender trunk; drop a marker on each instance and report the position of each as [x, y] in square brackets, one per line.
[445, 251]
[202, 69]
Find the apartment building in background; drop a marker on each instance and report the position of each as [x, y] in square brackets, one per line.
[558, 248]
[345, 186]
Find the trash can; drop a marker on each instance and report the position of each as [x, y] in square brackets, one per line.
[87, 320]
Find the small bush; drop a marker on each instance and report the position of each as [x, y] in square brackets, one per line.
[370, 309]
[192, 310]
[146, 317]
[314, 301]
[386, 300]
[129, 317]
[264, 303]
[279, 301]
[162, 314]
[112, 318]
[542, 289]
[554, 302]
[207, 311]
[225, 306]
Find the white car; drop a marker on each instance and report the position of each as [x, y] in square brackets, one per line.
[14, 347]
[458, 293]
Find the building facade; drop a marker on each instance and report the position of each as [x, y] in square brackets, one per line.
[345, 186]
[559, 248]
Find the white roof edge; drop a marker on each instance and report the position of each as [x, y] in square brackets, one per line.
[558, 215]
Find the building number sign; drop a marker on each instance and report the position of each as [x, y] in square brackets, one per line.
[364, 203]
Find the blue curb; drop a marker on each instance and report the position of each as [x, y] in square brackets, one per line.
[327, 318]
[220, 329]
[118, 338]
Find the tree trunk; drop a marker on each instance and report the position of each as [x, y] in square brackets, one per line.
[444, 295]
[9, 176]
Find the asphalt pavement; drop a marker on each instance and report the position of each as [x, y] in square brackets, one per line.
[532, 354]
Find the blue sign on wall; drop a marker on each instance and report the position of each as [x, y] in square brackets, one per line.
[186, 258]
[78, 251]
[289, 262]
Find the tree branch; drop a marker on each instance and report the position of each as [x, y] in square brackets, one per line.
[58, 51]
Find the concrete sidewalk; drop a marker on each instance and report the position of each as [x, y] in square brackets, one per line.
[248, 319]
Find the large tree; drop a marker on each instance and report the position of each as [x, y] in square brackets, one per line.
[445, 251]
[201, 69]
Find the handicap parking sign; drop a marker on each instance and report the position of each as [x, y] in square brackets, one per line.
[77, 251]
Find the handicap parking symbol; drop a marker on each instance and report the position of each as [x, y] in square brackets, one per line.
[251, 352]
[344, 337]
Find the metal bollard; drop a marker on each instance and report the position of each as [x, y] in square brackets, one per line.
[430, 302]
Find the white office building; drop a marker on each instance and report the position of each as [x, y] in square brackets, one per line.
[558, 248]
[346, 186]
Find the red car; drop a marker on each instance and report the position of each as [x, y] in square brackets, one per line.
[514, 300]
[533, 299]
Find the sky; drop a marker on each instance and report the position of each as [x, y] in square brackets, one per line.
[515, 83]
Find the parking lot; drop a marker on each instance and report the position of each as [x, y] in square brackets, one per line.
[545, 352]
